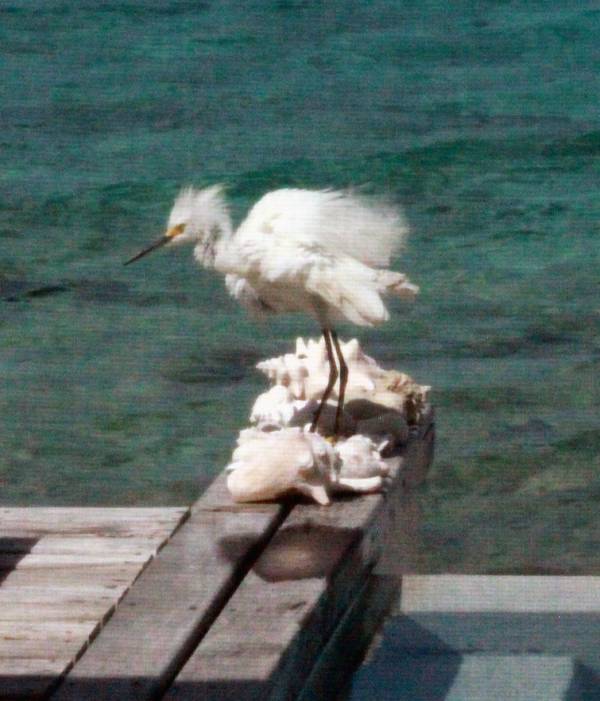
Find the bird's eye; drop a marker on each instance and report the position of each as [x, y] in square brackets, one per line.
[175, 231]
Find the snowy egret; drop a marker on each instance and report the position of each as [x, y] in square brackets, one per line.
[323, 252]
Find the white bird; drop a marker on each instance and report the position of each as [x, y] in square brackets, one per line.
[323, 252]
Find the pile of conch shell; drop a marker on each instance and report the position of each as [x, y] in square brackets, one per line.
[269, 464]
[279, 455]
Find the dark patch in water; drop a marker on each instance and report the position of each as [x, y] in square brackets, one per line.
[483, 399]
[46, 291]
[229, 365]
[440, 209]
[540, 335]
[157, 9]
[535, 430]
[10, 290]
[583, 442]
[18, 290]
[96, 291]
[243, 357]
[118, 292]
[103, 290]
[582, 145]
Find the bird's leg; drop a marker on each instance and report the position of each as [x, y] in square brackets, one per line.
[343, 383]
[333, 374]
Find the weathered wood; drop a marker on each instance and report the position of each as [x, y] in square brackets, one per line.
[63, 647]
[67, 560]
[347, 646]
[25, 611]
[66, 544]
[58, 577]
[481, 637]
[113, 521]
[470, 677]
[265, 642]
[90, 545]
[27, 630]
[541, 594]
[29, 678]
[306, 581]
[496, 633]
[445, 654]
[162, 618]
[57, 590]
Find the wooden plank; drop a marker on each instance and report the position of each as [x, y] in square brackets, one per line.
[36, 586]
[30, 678]
[68, 560]
[25, 611]
[511, 623]
[83, 544]
[69, 543]
[471, 593]
[65, 648]
[161, 619]
[497, 633]
[269, 636]
[114, 521]
[41, 596]
[63, 587]
[454, 677]
[54, 519]
[57, 577]
[27, 630]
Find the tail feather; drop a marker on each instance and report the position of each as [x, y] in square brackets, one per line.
[352, 290]
[390, 282]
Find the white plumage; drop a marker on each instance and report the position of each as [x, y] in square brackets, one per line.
[323, 252]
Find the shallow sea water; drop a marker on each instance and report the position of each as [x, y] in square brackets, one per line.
[128, 385]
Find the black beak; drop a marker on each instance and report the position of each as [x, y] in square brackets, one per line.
[152, 247]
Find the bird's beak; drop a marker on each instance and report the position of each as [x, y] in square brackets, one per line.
[152, 247]
[164, 239]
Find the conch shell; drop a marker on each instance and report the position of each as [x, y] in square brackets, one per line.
[279, 455]
[268, 465]
[305, 373]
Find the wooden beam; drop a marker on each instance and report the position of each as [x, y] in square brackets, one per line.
[272, 631]
[506, 593]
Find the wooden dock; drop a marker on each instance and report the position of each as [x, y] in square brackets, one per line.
[276, 601]
[62, 573]
[477, 637]
[218, 601]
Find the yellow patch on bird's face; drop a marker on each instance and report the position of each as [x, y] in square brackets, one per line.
[175, 231]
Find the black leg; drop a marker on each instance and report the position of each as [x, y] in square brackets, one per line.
[343, 382]
[333, 374]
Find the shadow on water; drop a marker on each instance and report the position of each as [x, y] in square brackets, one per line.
[409, 674]
[522, 656]
[585, 684]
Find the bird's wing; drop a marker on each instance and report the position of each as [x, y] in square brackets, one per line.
[309, 276]
[350, 288]
[339, 221]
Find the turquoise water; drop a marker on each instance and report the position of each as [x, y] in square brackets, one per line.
[128, 385]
